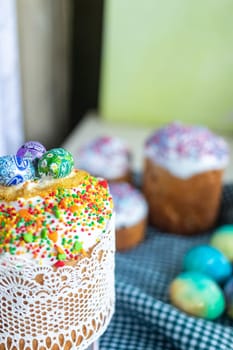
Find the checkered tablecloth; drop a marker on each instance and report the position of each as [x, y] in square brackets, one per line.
[144, 318]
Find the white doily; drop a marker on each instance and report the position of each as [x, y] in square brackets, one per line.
[64, 309]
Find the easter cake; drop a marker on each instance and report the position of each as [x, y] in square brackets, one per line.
[131, 215]
[56, 252]
[182, 178]
[107, 157]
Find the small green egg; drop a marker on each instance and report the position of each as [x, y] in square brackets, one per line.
[57, 163]
[222, 239]
[197, 295]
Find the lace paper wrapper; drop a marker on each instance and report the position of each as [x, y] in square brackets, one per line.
[64, 309]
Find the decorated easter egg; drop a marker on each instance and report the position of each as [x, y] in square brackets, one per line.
[222, 239]
[57, 163]
[197, 294]
[15, 170]
[31, 150]
[208, 260]
[228, 291]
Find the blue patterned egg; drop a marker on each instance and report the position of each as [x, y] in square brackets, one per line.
[222, 239]
[208, 260]
[56, 163]
[228, 291]
[31, 150]
[197, 295]
[15, 170]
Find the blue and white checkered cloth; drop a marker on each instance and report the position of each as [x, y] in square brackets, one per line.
[144, 318]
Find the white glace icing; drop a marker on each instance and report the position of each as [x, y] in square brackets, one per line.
[107, 157]
[187, 150]
[129, 203]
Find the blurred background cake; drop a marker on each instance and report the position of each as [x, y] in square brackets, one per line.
[107, 157]
[131, 215]
[56, 253]
[182, 178]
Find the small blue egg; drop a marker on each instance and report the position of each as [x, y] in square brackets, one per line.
[197, 294]
[15, 170]
[208, 260]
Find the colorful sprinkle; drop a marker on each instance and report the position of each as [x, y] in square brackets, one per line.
[28, 237]
[59, 264]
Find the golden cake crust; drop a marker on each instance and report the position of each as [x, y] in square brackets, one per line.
[11, 193]
[129, 237]
[184, 206]
[125, 178]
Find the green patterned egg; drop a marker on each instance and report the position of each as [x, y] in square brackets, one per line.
[57, 163]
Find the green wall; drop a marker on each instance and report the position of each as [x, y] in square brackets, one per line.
[168, 60]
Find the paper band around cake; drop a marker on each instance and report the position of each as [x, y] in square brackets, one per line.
[64, 309]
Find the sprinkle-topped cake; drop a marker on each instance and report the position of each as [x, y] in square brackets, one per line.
[182, 179]
[56, 253]
[196, 149]
[53, 222]
[131, 214]
[107, 157]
